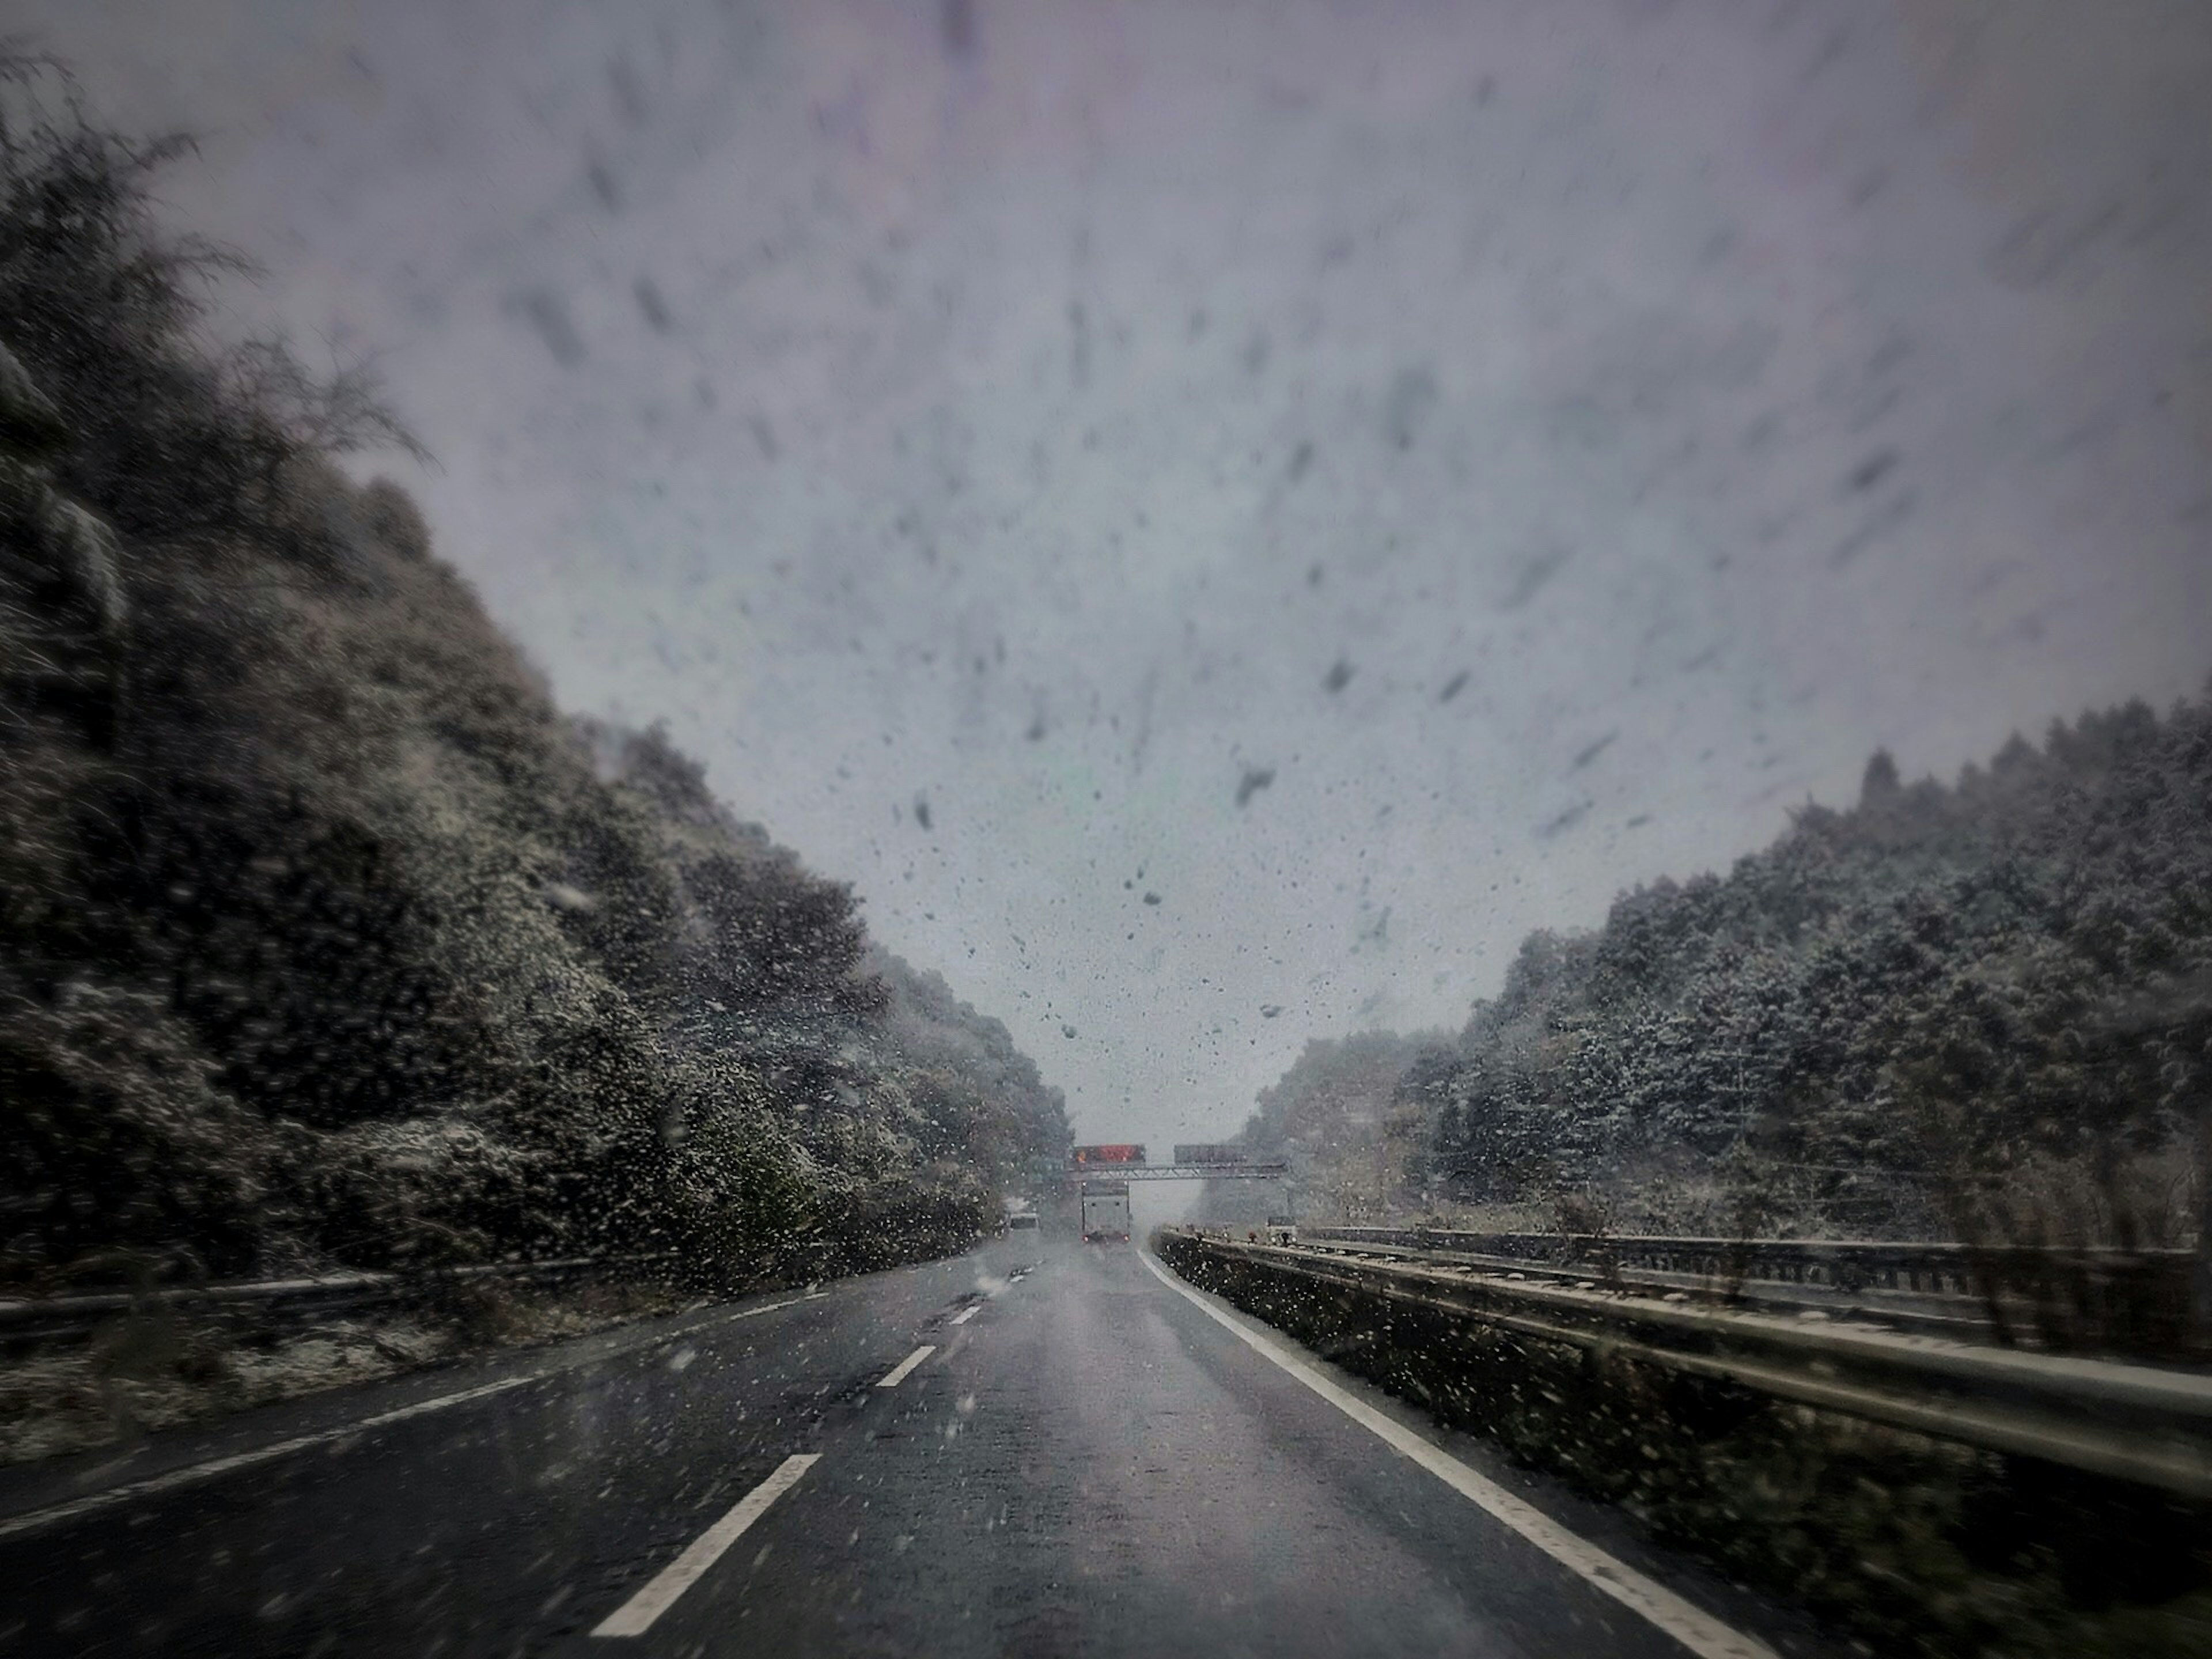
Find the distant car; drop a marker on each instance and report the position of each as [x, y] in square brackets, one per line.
[1022, 1218]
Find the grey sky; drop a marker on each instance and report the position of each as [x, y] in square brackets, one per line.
[1517, 451]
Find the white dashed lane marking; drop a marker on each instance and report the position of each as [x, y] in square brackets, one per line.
[635, 1616]
[966, 1314]
[898, 1374]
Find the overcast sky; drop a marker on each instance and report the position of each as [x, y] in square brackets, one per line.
[1200, 509]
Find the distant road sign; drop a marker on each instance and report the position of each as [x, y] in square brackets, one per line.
[1209, 1151]
[1121, 1152]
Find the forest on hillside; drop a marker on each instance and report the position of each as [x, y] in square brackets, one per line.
[329, 939]
[1980, 1011]
[1335, 1118]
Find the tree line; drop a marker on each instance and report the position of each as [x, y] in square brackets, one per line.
[1980, 1010]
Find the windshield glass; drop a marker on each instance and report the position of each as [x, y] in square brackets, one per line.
[956, 826]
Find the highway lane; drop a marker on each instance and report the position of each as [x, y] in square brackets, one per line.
[1038, 1449]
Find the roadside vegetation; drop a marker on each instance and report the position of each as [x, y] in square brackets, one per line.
[330, 941]
[1336, 1118]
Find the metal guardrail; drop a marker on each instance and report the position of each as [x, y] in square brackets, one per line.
[1846, 1264]
[2140, 1301]
[2127, 1422]
[27, 1319]
[1965, 1317]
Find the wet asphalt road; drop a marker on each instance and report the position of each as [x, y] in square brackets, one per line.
[1086, 1463]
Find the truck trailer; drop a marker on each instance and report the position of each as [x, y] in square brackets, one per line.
[1106, 1209]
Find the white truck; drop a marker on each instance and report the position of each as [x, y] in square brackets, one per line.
[1106, 1209]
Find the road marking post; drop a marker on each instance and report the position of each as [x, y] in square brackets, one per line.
[1687, 1622]
[898, 1373]
[635, 1616]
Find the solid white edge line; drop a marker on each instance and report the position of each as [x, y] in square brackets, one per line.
[153, 1486]
[1688, 1623]
[966, 1314]
[196, 1472]
[898, 1373]
[635, 1616]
